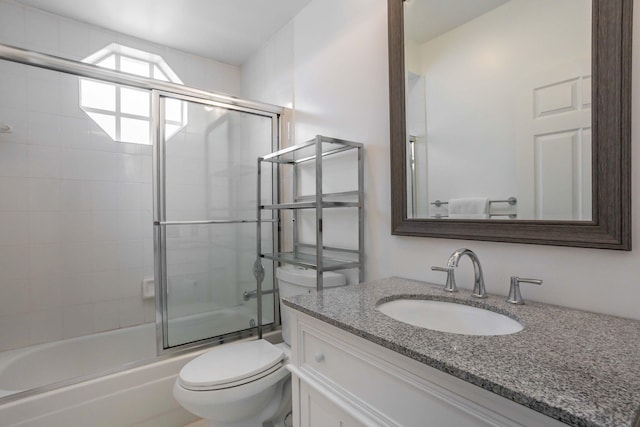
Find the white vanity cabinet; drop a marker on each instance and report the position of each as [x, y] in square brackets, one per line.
[340, 379]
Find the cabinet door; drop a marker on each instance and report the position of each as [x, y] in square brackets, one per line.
[357, 382]
[318, 411]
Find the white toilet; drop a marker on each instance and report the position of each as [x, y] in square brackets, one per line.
[247, 384]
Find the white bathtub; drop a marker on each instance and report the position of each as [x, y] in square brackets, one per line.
[43, 364]
[139, 396]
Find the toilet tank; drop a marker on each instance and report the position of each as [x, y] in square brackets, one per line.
[293, 280]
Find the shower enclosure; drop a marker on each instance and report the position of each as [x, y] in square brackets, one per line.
[99, 238]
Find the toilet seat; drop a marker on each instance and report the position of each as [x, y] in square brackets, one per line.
[231, 366]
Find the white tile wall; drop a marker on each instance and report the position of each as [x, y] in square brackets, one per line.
[13, 88]
[13, 228]
[14, 159]
[44, 161]
[45, 326]
[15, 330]
[74, 39]
[45, 292]
[14, 296]
[75, 208]
[14, 262]
[77, 320]
[76, 288]
[128, 279]
[41, 32]
[43, 194]
[12, 29]
[131, 311]
[17, 119]
[105, 315]
[15, 194]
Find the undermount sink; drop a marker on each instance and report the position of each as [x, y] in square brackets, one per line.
[449, 317]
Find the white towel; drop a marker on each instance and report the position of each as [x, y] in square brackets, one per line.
[469, 208]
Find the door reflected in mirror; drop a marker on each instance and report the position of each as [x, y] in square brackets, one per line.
[498, 109]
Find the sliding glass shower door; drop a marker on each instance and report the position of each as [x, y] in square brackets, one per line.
[205, 228]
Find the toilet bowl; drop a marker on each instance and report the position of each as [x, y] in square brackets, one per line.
[247, 384]
[239, 384]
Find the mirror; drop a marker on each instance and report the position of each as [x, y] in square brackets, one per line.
[443, 157]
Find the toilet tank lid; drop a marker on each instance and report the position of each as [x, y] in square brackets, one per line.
[229, 363]
[307, 277]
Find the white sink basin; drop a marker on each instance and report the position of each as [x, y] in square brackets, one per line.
[449, 317]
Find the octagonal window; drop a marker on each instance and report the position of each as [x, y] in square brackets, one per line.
[123, 112]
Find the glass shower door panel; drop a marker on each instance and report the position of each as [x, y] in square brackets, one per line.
[209, 233]
[209, 267]
[211, 163]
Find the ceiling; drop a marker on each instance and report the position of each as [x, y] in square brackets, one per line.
[230, 31]
[225, 30]
[427, 19]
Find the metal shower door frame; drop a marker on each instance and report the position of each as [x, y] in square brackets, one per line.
[159, 213]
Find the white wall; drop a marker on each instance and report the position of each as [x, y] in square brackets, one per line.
[75, 207]
[340, 81]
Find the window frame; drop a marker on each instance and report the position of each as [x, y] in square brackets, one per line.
[158, 69]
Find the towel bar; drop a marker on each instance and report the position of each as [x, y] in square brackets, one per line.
[510, 215]
[511, 200]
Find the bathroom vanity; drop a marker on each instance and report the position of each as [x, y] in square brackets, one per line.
[353, 365]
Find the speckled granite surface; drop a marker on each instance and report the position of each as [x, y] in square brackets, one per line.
[578, 367]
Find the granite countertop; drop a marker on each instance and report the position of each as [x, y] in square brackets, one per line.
[578, 367]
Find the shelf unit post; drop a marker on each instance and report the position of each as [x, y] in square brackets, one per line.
[319, 207]
[257, 267]
[294, 212]
[361, 212]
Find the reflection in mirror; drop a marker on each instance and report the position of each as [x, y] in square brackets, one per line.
[498, 109]
[610, 224]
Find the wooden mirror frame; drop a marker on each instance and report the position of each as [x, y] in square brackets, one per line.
[610, 227]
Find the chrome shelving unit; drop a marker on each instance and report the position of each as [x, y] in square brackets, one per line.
[314, 256]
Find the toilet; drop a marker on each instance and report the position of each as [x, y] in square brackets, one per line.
[247, 384]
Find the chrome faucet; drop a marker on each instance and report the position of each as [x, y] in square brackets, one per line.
[478, 282]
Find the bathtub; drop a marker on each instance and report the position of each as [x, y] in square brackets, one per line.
[71, 393]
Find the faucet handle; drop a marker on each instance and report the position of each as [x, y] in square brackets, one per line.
[514, 290]
[450, 285]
